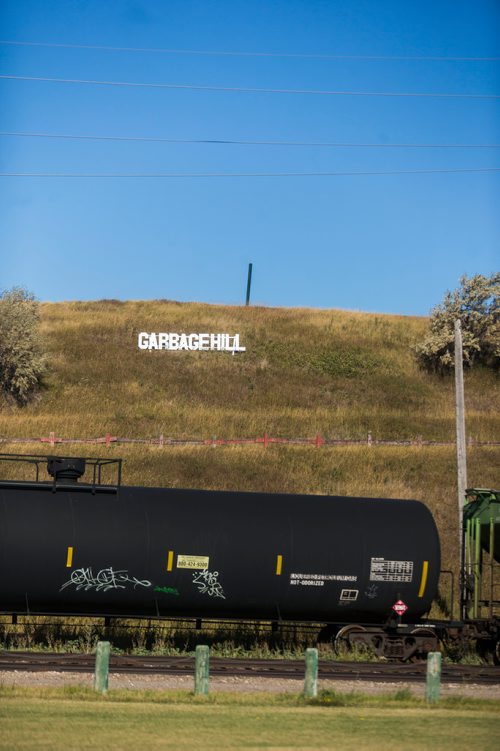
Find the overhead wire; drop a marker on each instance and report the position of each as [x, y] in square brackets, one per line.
[233, 53]
[245, 174]
[250, 142]
[249, 89]
[247, 142]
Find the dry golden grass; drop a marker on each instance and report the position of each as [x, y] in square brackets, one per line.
[305, 371]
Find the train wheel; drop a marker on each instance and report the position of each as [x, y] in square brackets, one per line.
[427, 642]
[349, 638]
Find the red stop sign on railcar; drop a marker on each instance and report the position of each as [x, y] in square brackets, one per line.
[399, 607]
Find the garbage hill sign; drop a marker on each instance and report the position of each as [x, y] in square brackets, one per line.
[190, 342]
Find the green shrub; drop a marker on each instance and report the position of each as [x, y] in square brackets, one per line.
[21, 359]
[476, 305]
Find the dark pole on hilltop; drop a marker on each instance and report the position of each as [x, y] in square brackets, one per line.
[249, 283]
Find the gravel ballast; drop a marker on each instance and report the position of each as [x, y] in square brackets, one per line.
[236, 684]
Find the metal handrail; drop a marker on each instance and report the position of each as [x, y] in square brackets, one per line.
[97, 464]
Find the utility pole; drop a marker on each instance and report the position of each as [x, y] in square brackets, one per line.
[460, 420]
[249, 283]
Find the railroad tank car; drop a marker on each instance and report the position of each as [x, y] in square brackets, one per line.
[75, 548]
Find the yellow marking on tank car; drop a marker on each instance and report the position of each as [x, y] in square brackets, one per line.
[279, 565]
[69, 558]
[170, 560]
[423, 580]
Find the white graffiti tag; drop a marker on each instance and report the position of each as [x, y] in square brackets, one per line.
[207, 583]
[106, 578]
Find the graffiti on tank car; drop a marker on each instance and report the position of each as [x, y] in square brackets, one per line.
[371, 592]
[167, 590]
[104, 580]
[208, 584]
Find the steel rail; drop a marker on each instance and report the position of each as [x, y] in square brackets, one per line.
[282, 669]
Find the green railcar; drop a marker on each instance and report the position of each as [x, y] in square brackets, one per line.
[481, 554]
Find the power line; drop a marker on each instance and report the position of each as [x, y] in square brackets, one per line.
[243, 174]
[248, 90]
[223, 53]
[234, 142]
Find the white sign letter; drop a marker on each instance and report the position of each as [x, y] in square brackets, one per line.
[143, 341]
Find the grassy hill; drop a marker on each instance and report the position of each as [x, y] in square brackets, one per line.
[339, 374]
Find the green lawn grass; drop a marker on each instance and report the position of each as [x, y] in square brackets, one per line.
[79, 719]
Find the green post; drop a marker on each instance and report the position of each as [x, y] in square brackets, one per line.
[101, 674]
[201, 671]
[249, 283]
[311, 679]
[433, 683]
[492, 572]
[477, 568]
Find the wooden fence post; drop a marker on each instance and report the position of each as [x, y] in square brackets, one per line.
[433, 682]
[311, 678]
[101, 674]
[201, 670]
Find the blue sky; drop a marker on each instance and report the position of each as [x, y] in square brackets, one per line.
[388, 243]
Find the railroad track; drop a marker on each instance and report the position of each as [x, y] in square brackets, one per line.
[370, 671]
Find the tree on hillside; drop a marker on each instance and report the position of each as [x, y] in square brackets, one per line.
[21, 358]
[476, 304]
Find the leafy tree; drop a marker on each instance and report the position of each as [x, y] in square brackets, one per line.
[476, 304]
[21, 360]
